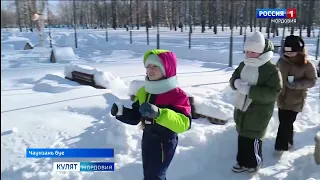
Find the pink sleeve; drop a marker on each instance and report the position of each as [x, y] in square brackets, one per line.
[181, 102]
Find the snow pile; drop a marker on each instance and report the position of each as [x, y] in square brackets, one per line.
[17, 42]
[63, 53]
[53, 84]
[134, 86]
[213, 108]
[7, 47]
[15, 130]
[101, 78]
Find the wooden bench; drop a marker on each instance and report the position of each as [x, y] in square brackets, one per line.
[84, 79]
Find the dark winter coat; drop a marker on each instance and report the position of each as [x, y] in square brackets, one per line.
[253, 121]
[305, 77]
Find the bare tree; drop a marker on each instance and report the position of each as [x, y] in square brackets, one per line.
[114, 14]
[138, 14]
[251, 14]
[210, 13]
[173, 14]
[214, 15]
[256, 2]
[153, 14]
[223, 14]
[311, 10]
[203, 18]
[130, 14]
[242, 15]
[18, 14]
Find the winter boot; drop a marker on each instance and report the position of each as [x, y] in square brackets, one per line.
[238, 169]
[290, 146]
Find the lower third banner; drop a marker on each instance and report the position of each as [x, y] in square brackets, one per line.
[83, 166]
[69, 153]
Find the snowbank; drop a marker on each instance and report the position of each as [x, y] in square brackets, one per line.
[17, 42]
[101, 78]
[134, 86]
[7, 47]
[220, 56]
[63, 53]
[213, 108]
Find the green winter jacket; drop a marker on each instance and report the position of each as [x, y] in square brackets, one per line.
[253, 122]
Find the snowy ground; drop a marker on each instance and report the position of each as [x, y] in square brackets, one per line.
[40, 108]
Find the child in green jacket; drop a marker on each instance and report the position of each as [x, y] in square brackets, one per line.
[258, 83]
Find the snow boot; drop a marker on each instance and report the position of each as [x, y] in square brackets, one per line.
[290, 146]
[238, 169]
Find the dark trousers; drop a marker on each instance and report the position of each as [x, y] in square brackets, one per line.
[249, 152]
[285, 129]
[157, 156]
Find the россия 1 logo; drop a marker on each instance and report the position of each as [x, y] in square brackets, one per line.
[278, 15]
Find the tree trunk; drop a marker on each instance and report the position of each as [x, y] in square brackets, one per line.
[18, 14]
[185, 13]
[25, 12]
[300, 18]
[147, 20]
[260, 21]
[106, 14]
[223, 14]
[251, 15]
[173, 15]
[30, 16]
[130, 14]
[274, 27]
[210, 14]
[269, 21]
[179, 15]
[227, 14]
[236, 13]
[241, 18]
[190, 16]
[153, 14]
[245, 15]
[231, 15]
[114, 14]
[203, 19]
[91, 15]
[310, 16]
[214, 15]
[81, 15]
[138, 14]
[255, 19]
[194, 15]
